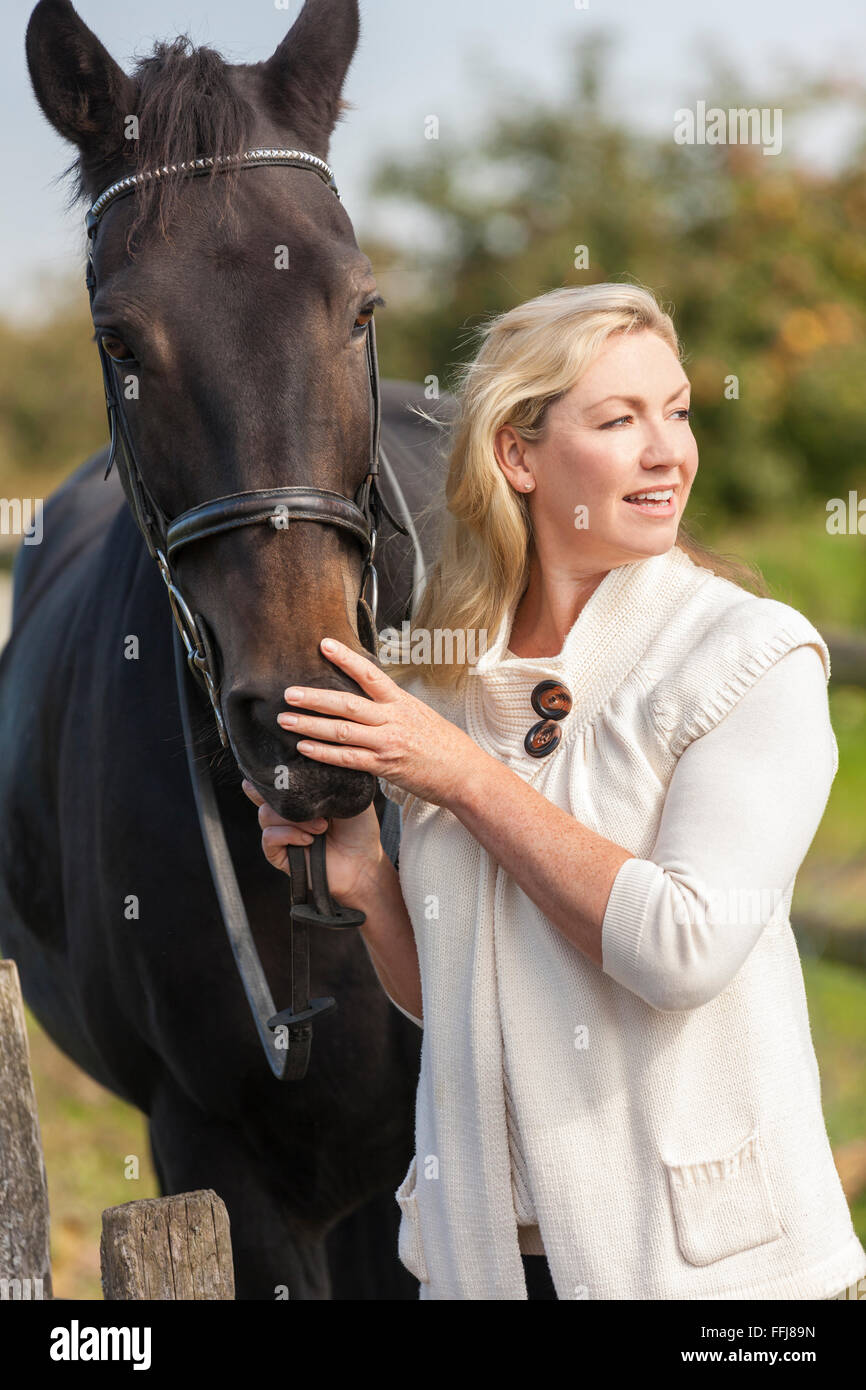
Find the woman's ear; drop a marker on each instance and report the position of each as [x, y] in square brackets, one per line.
[510, 453]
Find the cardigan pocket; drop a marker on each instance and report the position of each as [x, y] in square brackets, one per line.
[723, 1206]
[410, 1250]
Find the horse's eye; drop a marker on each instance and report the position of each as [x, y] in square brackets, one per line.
[116, 348]
[363, 319]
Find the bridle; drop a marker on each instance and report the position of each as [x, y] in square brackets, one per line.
[163, 537]
[286, 1035]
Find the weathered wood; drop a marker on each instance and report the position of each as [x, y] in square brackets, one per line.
[25, 1259]
[168, 1248]
[816, 937]
[847, 657]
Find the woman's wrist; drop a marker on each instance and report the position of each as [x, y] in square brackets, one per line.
[376, 880]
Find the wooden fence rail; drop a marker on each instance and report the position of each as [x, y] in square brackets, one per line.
[157, 1248]
[25, 1261]
[168, 1248]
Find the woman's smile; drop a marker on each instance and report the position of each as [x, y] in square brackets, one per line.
[656, 502]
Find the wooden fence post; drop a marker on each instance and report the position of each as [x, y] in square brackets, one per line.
[168, 1248]
[25, 1257]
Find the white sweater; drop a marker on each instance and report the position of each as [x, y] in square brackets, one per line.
[654, 1126]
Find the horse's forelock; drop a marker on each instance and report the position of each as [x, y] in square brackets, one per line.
[188, 107]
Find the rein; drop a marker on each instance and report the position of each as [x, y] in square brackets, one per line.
[285, 1035]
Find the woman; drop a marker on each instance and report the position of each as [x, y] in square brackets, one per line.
[602, 820]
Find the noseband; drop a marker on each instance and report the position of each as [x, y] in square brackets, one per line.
[163, 537]
[359, 517]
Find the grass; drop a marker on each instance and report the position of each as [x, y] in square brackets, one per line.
[836, 996]
[824, 577]
[88, 1138]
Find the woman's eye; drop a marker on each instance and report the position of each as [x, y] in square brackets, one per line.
[684, 411]
[116, 348]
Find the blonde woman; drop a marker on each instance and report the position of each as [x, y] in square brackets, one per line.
[602, 821]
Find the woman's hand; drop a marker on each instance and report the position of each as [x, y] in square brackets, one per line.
[353, 851]
[391, 733]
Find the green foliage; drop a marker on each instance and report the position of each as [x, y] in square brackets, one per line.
[764, 263]
[52, 405]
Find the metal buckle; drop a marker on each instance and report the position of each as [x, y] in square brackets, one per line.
[196, 657]
[369, 572]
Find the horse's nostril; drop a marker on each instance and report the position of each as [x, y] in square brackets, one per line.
[252, 721]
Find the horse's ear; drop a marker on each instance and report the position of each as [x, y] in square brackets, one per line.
[83, 92]
[304, 77]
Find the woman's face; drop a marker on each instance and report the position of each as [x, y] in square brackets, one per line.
[622, 429]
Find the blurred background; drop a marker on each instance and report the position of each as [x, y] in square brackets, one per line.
[555, 130]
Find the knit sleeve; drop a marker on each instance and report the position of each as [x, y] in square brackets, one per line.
[735, 651]
[741, 811]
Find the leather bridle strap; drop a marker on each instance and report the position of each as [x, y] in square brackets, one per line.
[288, 1051]
[285, 1036]
[277, 506]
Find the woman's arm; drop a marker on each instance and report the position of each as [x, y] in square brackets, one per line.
[741, 811]
[390, 940]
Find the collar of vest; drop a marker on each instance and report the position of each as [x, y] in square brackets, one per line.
[611, 634]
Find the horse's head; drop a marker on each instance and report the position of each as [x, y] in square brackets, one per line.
[237, 307]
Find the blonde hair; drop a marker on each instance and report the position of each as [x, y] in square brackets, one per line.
[528, 357]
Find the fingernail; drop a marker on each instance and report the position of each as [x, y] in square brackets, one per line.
[327, 644]
[294, 692]
[285, 719]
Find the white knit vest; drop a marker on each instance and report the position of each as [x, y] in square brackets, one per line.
[683, 1154]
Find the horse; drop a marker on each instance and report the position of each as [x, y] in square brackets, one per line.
[249, 377]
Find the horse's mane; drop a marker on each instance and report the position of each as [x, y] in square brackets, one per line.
[187, 107]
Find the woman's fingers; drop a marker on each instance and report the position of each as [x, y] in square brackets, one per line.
[370, 677]
[275, 838]
[348, 703]
[269, 817]
[341, 731]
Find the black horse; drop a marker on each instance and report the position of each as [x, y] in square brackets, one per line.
[249, 378]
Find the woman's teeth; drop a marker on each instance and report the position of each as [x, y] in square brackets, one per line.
[651, 499]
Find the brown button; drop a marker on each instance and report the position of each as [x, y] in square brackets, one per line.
[551, 700]
[542, 738]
